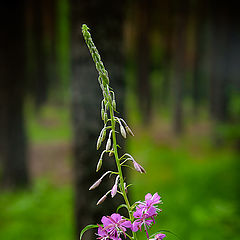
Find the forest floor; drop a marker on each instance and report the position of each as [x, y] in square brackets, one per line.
[197, 182]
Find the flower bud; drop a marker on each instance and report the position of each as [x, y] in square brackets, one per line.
[96, 184]
[105, 118]
[103, 134]
[138, 167]
[123, 132]
[108, 145]
[129, 131]
[114, 105]
[102, 113]
[102, 199]
[99, 165]
[99, 142]
[114, 190]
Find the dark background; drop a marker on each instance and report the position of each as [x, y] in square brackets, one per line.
[174, 66]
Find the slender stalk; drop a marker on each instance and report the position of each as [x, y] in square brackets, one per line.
[122, 188]
[109, 102]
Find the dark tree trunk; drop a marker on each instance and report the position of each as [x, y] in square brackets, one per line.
[201, 17]
[105, 20]
[143, 59]
[40, 48]
[13, 145]
[179, 63]
[219, 80]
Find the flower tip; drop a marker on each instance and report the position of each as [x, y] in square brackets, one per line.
[123, 132]
[129, 131]
[95, 185]
[99, 165]
[102, 199]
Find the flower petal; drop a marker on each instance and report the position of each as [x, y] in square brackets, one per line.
[127, 224]
[116, 217]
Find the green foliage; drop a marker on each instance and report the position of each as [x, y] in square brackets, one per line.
[198, 186]
[51, 124]
[44, 212]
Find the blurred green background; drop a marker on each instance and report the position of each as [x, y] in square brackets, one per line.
[181, 98]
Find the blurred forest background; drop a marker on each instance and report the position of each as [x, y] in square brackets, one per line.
[174, 66]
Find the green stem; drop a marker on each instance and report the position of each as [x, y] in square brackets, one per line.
[122, 188]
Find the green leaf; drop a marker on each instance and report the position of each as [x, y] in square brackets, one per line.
[87, 228]
[121, 206]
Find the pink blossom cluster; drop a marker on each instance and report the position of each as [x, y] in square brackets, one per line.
[115, 225]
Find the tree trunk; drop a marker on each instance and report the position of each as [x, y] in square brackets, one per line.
[105, 20]
[143, 59]
[179, 64]
[13, 144]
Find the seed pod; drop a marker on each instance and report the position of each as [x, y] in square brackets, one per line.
[108, 145]
[102, 199]
[99, 142]
[96, 184]
[129, 131]
[123, 132]
[99, 165]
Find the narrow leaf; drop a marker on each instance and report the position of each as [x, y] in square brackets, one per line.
[87, 228]
[121, 206]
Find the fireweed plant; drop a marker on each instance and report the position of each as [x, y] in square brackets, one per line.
[141, 214]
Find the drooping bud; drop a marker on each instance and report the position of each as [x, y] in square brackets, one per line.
[123, 132]
[96, 184]
[99, 165]
[105, 118]
[129, 131]
[138, 167]
[102, 199]
[102, 113]
[114, 189]
[99, 142]
[103, 134]
[108, 145]
[114, 104]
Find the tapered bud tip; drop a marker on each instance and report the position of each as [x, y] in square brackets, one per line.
[99, 142]
[105, 117]
[103, 135]
[99, 165]
[96, 184]
[138, 167]
[114, 104]
[129, 131]
[101, 200]
[102, 113]
[123, 132]
[114, 190]
[108, 145]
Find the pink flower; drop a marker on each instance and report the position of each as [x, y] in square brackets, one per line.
[145, 212]
[113, 227]
[159, 236]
